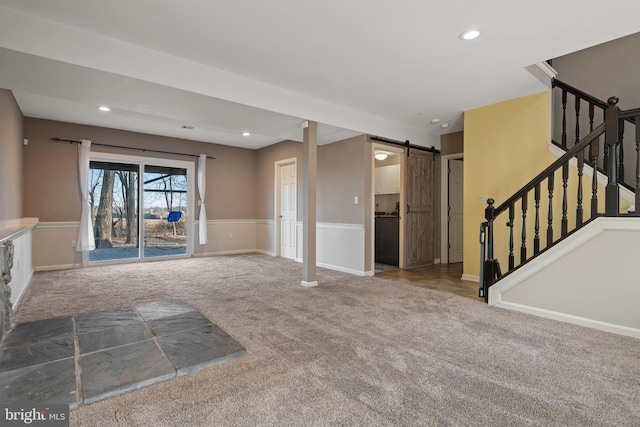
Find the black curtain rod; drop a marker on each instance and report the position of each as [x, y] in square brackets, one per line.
[406, 145]
[72, 141]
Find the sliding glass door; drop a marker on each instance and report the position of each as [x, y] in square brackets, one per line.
[165, 205]
[139, 207]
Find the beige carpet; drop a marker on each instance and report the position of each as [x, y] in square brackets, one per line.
[354, 351]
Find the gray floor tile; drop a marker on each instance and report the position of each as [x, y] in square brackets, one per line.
[39, 330]
[41, 352]
[179, 323]
[99, 320]
[157, 310]
[118, 352]
[113, 337]
[198, 348]
[122, 369]
[53, 382]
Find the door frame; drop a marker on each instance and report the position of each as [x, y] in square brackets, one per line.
[278, 164]
[444, 204]
[141, 161]
[403, 164]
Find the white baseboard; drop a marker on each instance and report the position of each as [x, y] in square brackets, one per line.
[568, 318]
[236, 252]
[261, 252]
[58, 267]
[341, 269]
[470, 278]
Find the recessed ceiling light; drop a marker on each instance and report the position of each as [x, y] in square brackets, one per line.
[435, 121]
[104, 108]
[380, 155]
[469, 35]
[444, 125]
[246, 133]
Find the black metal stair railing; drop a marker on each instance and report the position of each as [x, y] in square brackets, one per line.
[598, 150]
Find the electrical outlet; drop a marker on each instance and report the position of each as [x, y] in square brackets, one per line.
[73, 243]
[231, 235]
[483, 200]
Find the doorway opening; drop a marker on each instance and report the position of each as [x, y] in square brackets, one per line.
[452, 192]
[140, 208]
[387, 216]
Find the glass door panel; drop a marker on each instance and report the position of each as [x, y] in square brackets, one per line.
[165, 204]
[113, 196]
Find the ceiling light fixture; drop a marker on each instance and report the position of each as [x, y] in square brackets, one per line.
[380, 155]
[469, 35]
[246, 133]
[104, 108]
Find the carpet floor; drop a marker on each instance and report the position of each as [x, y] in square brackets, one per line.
[353, 351]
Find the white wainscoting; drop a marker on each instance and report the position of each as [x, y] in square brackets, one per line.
[266, 237]
[338, 247]
[20, 233]
[53, 248]
[228, 237]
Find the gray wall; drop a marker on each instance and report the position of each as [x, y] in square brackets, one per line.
[10, 157]
[50, 169]
[605, 70]
[265, 165]
[341, 177]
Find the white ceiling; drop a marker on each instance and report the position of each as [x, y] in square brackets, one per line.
[357, 66]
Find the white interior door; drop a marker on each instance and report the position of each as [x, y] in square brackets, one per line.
[455, 210]
[288, 214]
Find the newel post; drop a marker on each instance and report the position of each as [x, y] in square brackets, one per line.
[612, 138]
[489, 270]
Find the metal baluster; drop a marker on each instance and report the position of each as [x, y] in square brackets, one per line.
[536, 237]
[523, 248]
[564, 118]
[510, 225]
[550, 215]
[580, 173]
[564, 222]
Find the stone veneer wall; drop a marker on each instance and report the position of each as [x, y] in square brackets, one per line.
[6, 309]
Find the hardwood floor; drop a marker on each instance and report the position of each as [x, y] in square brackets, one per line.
[441, 277]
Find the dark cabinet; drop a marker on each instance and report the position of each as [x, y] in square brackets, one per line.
[387, 240]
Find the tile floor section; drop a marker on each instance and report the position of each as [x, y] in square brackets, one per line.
[440, 277]
[87, 357]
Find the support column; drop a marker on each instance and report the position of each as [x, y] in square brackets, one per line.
[309, 162]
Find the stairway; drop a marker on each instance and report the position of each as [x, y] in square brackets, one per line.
[547, 260]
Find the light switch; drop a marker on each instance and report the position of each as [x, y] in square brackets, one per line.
[483, 200]
[355, 200]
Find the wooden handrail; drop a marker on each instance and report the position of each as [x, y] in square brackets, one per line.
[599, 130]
[559, 83]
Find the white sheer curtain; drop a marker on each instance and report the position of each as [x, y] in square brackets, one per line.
[85, 240]
[202, 185]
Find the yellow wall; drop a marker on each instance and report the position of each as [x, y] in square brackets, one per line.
[505, 146]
